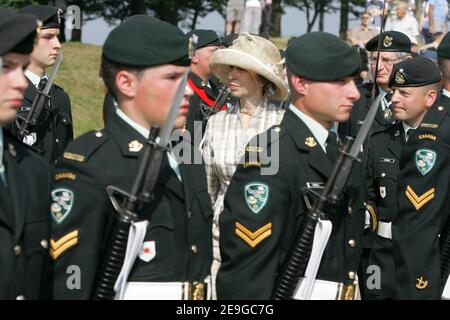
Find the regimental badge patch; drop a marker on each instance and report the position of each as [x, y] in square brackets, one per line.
[135, 146]
[310, 142]
[62, 202]
[425, 160]
[256, 195]
[148, 251]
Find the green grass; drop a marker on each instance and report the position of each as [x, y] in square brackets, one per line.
[79, 76]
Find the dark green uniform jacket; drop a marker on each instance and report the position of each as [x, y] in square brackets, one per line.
[423, 202]
[25, 263]
[180, 216]
[55, 128]
[262, 213]
[383, 166]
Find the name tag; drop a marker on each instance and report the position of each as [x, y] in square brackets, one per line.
[315, 185]
[359, 122]
[387, 160]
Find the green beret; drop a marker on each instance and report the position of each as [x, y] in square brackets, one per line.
[17, 32]
[144, 41]
[321, 56]
[443, 49]
[204, 38]
[391, 41]
[415, 72]
[49, 15]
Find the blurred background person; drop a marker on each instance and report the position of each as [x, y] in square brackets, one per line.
[252, 16]
[235, 13]
[436, 19]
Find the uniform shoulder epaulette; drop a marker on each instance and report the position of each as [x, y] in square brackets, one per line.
[85, 146]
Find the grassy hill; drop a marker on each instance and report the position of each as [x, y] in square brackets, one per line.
[79, 76]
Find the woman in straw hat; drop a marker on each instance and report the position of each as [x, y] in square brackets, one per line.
[252, 69]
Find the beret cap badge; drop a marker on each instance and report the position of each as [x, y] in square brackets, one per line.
[400, 77]
[387, 42]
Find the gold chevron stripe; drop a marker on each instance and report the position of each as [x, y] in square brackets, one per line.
[253, 238]
[56, 244]
[419, 202]
[56, 253]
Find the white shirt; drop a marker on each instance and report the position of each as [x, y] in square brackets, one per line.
[319, 132]
[145, 133]
[406, 128]
[35, 79]
[446, 93]
[253, 3]
[407, 25]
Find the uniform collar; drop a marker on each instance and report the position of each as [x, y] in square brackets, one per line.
[143, 131]
[35, 79]
[319, 132]
[406, 128]
[446, 93]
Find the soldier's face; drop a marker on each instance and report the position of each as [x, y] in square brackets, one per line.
[243, 83]
[12, 85]
[155, 91]
[328, 102]
[412, 103]
[202, 57]
[387, 61]
[46, 48]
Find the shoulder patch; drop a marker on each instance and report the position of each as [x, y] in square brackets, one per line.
[65, 175]
[62, 202]
[256, 195]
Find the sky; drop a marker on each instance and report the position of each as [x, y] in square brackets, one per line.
[293, 24]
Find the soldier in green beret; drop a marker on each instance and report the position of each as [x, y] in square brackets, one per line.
[24, 176]
[205, 86]
[423, 191]
[264, 205]
[143, 63]
[416, 87]
[394, 47]
[54, 130]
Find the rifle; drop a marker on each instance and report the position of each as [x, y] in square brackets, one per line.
[126, 204]
[299, 253]
[40, 100]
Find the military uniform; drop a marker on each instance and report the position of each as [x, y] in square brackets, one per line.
[24, 188]
[263, 211]
[177, 245]
[383, 166]
[55, 129]
[180, 216]
[205, 92]
[202, 100]
[422, 189]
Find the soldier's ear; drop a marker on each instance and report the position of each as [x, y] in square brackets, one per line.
[126, 83]
[299, 84]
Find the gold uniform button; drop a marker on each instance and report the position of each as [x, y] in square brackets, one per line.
[98, 134]
[352, 243]
[351, 275]
[350, 210]
[44, 243]
[17, 250]
[20, 297]
[440, 108]
[277, 129]
[383, 175]
[194, 249]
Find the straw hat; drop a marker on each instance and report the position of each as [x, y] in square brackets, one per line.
[252, 53]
